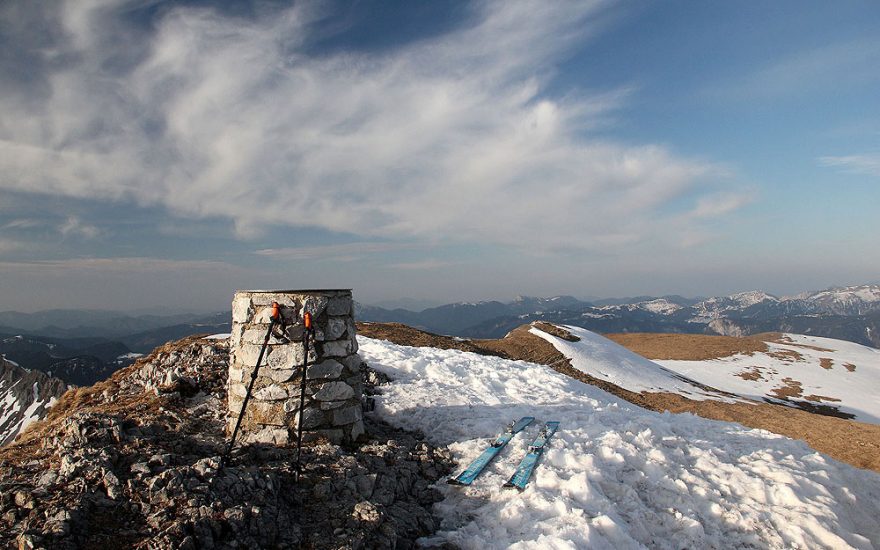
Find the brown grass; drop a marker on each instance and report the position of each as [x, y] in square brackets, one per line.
[850, 367]
[826, 363]
[791, 388]
[754, 374]
[558, 332]
[690, 347]
[789, 342]
[787, 355]
[855, 443]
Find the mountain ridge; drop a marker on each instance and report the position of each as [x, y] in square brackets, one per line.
[848, 313]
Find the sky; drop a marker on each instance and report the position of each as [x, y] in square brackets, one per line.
[164, 154]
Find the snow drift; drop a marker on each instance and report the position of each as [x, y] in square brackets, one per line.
[615, 475]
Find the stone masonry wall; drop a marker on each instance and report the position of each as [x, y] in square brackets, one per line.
[334, 385]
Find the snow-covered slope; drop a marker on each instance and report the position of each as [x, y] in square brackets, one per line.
[606, 360]
[804, 369]
[615, 475]
[850, 300]
[24, 397]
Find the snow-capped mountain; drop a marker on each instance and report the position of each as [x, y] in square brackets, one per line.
[717, 307]
[848, 313]
[24, 397]
[850, 300]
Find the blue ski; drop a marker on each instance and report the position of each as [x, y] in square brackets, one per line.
[473, 470]
[524, 471]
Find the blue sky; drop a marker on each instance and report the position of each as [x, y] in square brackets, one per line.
[158, 154]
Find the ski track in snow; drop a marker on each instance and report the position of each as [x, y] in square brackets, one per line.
[615, 475]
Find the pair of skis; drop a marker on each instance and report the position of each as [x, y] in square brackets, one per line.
[523, 472]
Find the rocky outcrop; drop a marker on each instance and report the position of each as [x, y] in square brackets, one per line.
[134, 462]
[25, 396]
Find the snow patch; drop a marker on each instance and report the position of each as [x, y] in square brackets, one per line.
[614, 475]
[850, 377]
[660, 306]
[606, 360]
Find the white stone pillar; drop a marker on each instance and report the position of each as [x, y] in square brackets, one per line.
[333, 384]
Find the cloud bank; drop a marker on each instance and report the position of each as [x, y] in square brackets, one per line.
[451, 138]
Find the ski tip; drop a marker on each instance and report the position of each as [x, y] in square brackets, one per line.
[457, 482]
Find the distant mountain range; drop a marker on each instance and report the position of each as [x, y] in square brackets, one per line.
[83, 347]
[847, 313]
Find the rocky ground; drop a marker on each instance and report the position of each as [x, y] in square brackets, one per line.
[134, 462]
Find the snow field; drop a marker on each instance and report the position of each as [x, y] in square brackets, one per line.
[606, 360]
[615, 475]
[853, 390]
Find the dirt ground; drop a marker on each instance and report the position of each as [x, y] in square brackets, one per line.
[691, 347]
[855, 443]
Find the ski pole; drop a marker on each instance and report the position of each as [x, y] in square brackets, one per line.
[309, 331]
[275, 318]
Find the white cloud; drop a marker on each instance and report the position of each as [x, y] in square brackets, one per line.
[8, 245]
[424, 265]
[22, 223]
[858, 164]
[451, 138]
[832, 66]
[76, 227]
[713, 206]
[338, 252]
[123, 265]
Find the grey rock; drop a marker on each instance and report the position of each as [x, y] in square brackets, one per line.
[328, 368]
[333, 436]
[337, 348]
[242, 307]
[367, 512]
[206, 466]
[348, 415]
[356, 430]
[47, 478]
[339, 305]
[271, 393]
[334, 391]
[258, 335]
[329, 405]
[315, 305]
[312, 418]
[336, 328]
[270, 435]
[275, 357]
